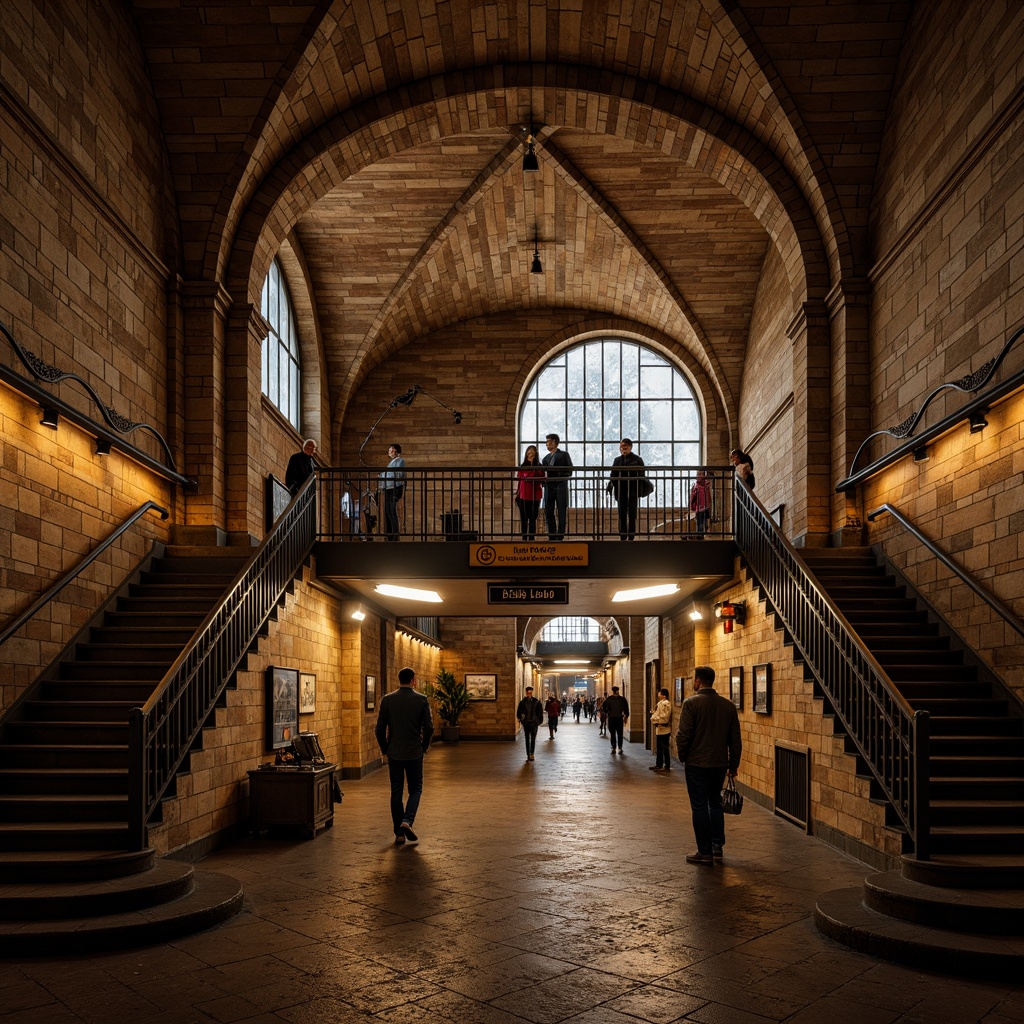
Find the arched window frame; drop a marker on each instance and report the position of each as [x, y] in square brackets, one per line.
[590, 412]
[281, 378]
[571, 629]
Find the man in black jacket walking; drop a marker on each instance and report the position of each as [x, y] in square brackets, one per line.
[404, 728]
[531, 713]
[616, 707]
[709, 745]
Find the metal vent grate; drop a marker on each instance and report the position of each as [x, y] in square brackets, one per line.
[793, 783]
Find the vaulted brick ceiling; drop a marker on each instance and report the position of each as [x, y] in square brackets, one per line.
[440, 228]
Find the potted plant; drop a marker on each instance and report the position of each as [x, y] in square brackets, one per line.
[451, 698]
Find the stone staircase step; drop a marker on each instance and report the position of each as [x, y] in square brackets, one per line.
[974, 725]
[985, 911]
[978, 839]
[47, 808]
[109, 671]
[842, 915]
[150, 652]
[64, 780]
[78, 710]
[118, 691]
[67, 733]
[978, 746]
[141, 634]
[945, 767]
[82, 756]
[985, 871]
[173, 592]
[985, 811]
[96, 835]
[947, 688]
[214, 898]
[944, 707]
[85, 865]
[50, 901]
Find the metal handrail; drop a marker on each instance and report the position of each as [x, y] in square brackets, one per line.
[49, 594]
[891, 737]
[479, 503]
[991, 600]
[163, 731]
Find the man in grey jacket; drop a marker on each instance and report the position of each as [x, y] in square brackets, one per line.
[404, 728]
[708, 743]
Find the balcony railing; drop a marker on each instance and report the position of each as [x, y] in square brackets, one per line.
[480, 504]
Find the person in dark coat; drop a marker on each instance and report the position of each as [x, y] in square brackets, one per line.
[556, 487]
[709, 744]
[403, 731]
[531, 713]
[300, 467]
[624, 486]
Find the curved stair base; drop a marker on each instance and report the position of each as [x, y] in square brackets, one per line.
[91, 903]
[974, 930]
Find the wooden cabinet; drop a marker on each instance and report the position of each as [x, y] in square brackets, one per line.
[301, 797]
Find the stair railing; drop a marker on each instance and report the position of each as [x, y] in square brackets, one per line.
[1004, 611]
[891, 738]
[51, 592]
[163, 731]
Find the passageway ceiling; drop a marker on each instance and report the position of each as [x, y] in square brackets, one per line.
[426, 224]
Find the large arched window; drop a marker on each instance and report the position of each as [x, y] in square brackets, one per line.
[595, 393]
[281, 363]
[571, 629]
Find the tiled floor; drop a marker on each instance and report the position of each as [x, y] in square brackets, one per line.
[540, 892]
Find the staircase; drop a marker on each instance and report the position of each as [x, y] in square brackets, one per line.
[963, 909]
[69, 882]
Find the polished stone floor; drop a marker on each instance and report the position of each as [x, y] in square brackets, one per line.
[548, 891]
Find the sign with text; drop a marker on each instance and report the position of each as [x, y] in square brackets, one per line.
[491, 556]
[527, 593]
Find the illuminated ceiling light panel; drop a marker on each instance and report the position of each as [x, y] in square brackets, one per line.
[661, 590]
[391, 590]
[571, 661]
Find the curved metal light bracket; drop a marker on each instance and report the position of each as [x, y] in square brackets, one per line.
[967, 385]
[43, 371]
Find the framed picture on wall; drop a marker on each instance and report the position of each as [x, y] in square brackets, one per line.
[371, 693]
[282, 706]
[482, 686]
[679, 690]
[736, 686]
[307, 693]
[763, 689]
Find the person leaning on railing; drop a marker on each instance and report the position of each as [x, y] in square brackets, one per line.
[624, 486]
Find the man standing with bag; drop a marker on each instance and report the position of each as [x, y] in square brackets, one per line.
[531, 713]
[709, 745]
[556, 487]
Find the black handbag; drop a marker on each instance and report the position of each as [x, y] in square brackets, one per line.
[732, 798]
[645, 487]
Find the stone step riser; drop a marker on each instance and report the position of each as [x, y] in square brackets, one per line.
[71, 782]
[63, 809]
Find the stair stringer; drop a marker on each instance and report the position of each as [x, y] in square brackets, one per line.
[169, 831]
[871, 789]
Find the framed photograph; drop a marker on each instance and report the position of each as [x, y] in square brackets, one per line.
[482, 687]
[307, 693]
[763, 689]
[371, 693]
[282, 711]
[736, 686]
[679, 689]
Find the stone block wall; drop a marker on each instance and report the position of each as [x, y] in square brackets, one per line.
[484, 645]
[949, 290]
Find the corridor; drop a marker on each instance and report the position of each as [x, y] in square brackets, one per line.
[541, 892]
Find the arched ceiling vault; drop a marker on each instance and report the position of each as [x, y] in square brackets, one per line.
[681, 139]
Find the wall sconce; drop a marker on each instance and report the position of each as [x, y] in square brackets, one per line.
[978, 422]
[102, 447]
[51, 417]
[359, 615]
[921, 454]
[696, 612]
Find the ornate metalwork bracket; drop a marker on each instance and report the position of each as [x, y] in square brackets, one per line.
[968, 385]
[43, 371]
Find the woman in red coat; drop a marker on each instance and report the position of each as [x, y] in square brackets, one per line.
[529, 491]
